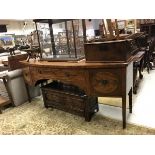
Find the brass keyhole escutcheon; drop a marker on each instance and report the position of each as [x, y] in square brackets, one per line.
[104, 82]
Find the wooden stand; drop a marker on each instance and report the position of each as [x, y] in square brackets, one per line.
[70, 99]
[96, 79]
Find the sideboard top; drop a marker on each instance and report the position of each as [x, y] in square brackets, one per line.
[79, 64]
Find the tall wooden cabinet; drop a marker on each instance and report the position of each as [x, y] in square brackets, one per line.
[149, 28]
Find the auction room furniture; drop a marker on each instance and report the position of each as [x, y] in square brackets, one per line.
[13, 89]
[138, 61]
[17, 87]
[13, 61]
[144, 44]
[149, 28]
[70, 99]
[150, 53]
[19, 91]
[68, 42]
[15, 74]
[96, 79]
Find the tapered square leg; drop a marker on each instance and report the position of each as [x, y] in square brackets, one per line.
[124, 111]
[130, 101]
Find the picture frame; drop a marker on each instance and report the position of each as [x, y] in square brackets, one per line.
[7, 41]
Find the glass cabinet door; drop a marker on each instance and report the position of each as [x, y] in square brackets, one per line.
[44, 39]
[61, 38]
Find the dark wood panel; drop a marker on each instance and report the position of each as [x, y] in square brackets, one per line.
[69, 100]
[110, 51]
[13, 61]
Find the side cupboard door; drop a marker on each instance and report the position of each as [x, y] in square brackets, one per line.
[106, 82]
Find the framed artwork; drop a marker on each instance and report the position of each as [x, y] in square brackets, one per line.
[121, 24]
[7, 41]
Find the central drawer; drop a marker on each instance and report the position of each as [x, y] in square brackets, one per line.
[58, 74]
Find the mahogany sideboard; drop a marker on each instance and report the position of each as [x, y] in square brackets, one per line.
[96, 79]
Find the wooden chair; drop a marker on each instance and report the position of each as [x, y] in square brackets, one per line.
[20, 92]
[145, 45]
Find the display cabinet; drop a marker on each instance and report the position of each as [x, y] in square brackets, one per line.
[148, 26]
[61, 39]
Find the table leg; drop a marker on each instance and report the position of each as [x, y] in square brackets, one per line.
[124, 111]
[0, 110]
[130, 100]
[87, 110]
[28, 93]
[140, 69]
[135, 85]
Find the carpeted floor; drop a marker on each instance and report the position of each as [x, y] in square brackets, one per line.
[111, 101]
[32, 118]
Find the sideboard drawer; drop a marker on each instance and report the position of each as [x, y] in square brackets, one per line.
[59, 74]
[106, 81]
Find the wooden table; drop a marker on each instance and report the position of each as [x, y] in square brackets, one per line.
[96, 79]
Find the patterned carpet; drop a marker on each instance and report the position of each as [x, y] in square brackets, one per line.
[32, 118]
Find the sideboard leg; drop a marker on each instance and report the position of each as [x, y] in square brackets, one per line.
[87, 114]
[0, 110]
[130, 100]
[28, 93]
[124, 111]
[87, 118]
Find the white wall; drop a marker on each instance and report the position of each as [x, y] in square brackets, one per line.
[17, 26]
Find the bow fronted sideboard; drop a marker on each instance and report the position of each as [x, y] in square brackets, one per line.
[96, 79]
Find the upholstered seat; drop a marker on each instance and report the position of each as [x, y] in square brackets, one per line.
[17, 87]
